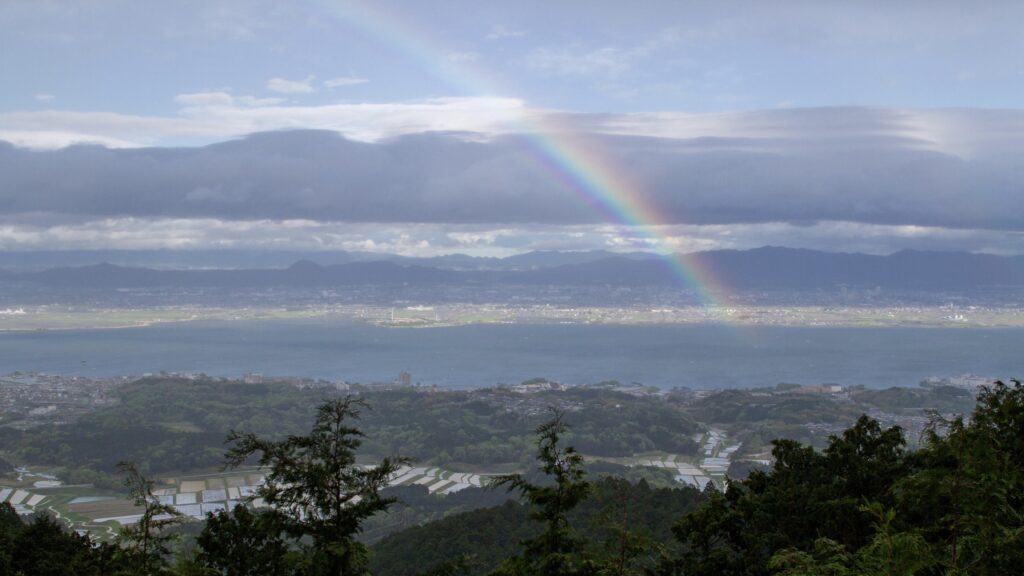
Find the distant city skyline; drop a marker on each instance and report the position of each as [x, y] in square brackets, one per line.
[507, 127]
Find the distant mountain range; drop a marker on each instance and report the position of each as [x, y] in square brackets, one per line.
[36, 261]
[762, 268]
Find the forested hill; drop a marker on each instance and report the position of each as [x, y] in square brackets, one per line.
[617, 513]
[171, 424]
[863, 506]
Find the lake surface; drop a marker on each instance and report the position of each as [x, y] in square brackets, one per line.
[483, 355]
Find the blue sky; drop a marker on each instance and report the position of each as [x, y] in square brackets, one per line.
[923, 96]
[135, 57]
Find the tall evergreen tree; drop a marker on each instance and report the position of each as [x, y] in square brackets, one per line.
[316, 485]
[555, 552]
[146, 544]
[244, 542]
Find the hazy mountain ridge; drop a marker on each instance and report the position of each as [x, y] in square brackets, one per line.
[761, 268]
[38, 261]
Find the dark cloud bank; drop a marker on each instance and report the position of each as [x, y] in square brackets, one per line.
[867, 170]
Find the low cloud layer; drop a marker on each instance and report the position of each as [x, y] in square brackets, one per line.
[412, 239]
[943, 169]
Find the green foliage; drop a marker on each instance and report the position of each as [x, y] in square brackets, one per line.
[146, 544]
[861, 506]
[5, 467]
[806, 496]
[487, 536]
[967, 491]
[166, 424]
[864, 506]
[243, 542]
[172, 425]
[553, 552]
[480, 539]
[44, 548]
[890, 552]
[829, 558]
[942, 399]
[753, 406]
[416, 505]
[317, 488]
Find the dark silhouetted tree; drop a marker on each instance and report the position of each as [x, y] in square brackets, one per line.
[243, 542]
[556, 551]
[317, 487]
[147, 543]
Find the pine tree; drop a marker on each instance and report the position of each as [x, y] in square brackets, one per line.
[556, 550]
[243, 542]
[317, 487]
[146, 544]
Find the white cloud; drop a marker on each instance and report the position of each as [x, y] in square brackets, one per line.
[45, 97]
[207, 117]
[55, 139]
[205, 99]
[481, 237]
[283, 86]
[214, 99]
[253, 101]
[463, 57]
[344, 81]
[499, 32]
[579, 61]
[424, 240]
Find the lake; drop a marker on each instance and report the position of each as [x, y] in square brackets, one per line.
[703, 355]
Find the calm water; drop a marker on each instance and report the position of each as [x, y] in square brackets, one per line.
[469, 356]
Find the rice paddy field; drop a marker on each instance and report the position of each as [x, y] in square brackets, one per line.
[102, 513]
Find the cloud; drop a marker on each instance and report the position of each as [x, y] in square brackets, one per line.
[45, 97]
[578, 61]
[214, 99]
[206, 117]
[344, 81]
[499, 32]
[581, 60]
[55, 139]
[202, 99]
[914, 173]
[463, 57]
[424, 240]
[282, 86]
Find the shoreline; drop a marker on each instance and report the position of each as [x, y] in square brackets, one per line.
[454, 316]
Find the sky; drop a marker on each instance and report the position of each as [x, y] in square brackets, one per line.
[492, 128]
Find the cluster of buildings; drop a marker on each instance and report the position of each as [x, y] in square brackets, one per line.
[27, 397]
[970, 382]
[526, 404]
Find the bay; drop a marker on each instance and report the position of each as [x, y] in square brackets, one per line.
[693, 355]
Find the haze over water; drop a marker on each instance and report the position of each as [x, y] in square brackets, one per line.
[483, 355]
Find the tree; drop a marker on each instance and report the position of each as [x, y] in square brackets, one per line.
[10, 527]
[43, 547]
[146, 544]
[243, 542]
[890, 553]
[805, 496]
[317, 487]
[967, 490]
[554, 552]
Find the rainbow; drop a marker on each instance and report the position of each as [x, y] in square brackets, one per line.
[565, 153]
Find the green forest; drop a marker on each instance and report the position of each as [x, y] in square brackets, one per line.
[168, 425]
[864, 504]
